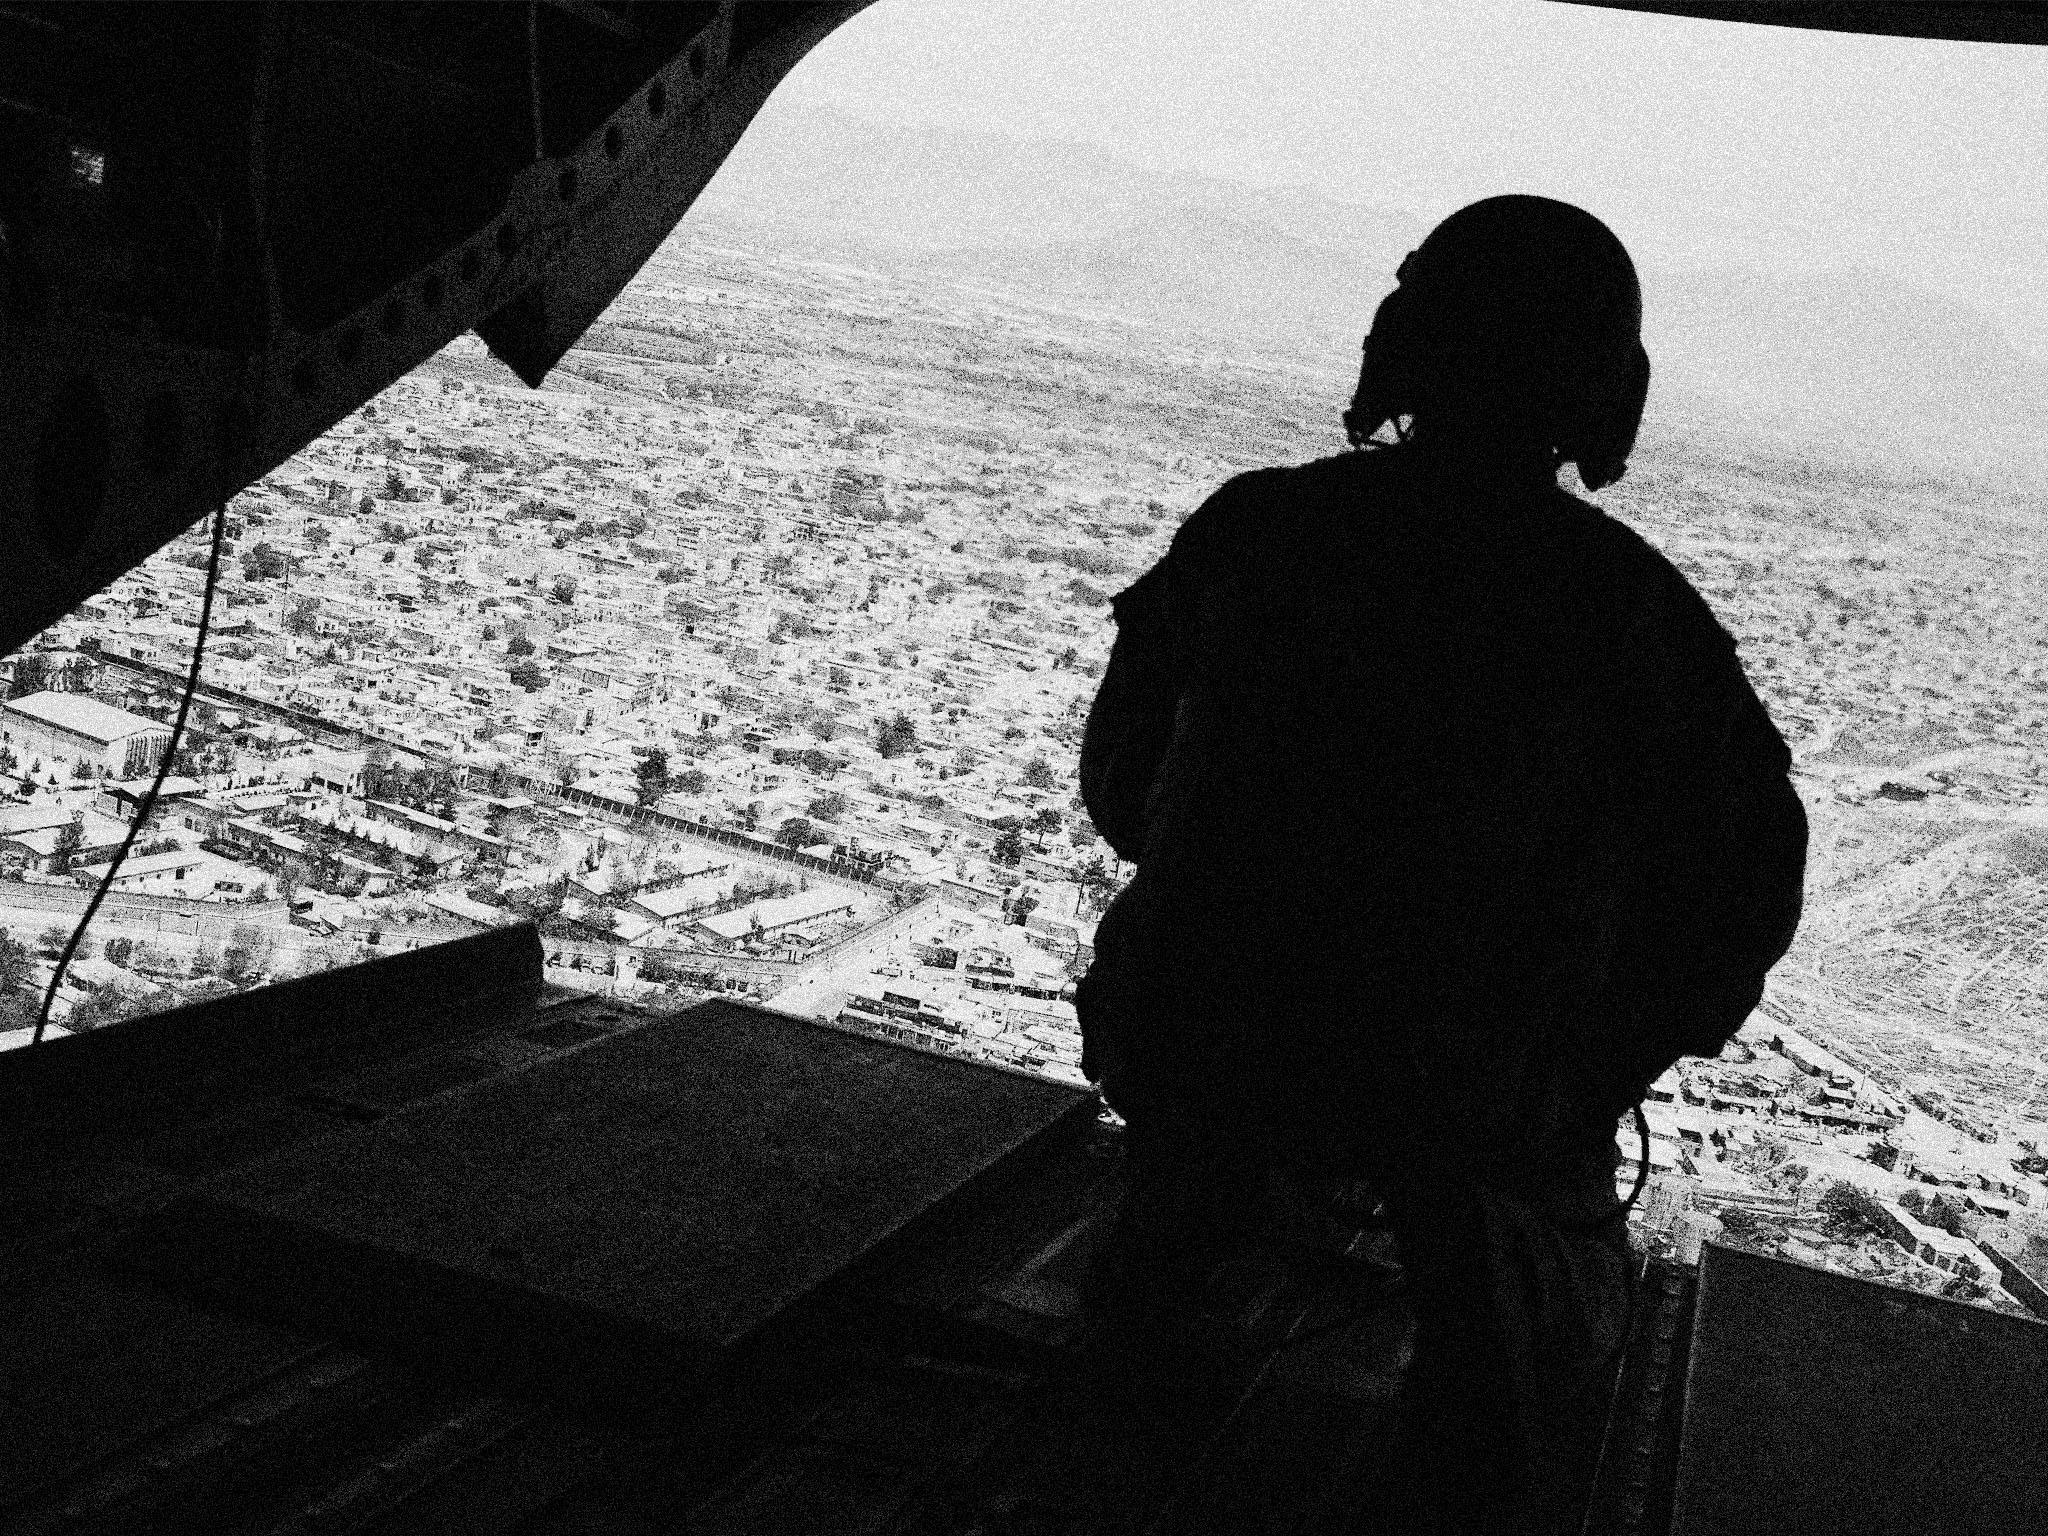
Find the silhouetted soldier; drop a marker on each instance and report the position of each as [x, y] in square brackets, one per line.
[1456, 822]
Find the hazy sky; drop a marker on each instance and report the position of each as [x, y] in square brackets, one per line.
[1702, 143]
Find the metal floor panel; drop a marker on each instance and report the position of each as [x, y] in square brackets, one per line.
[1821, 1404]
[627, 1212]
[92, 1362]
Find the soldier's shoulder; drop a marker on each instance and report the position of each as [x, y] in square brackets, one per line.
[1257, 502]
[1623, 546]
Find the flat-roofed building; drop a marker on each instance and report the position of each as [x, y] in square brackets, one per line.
[682, 891]
[63, 730]
[159, 874]
[31, 835]
[338, 772]
[768, 919]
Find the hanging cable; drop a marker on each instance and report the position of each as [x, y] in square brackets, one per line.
[540, 136]
[163, 772]
[1643, 1166]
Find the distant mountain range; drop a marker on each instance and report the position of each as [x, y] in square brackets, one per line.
[1858, 360]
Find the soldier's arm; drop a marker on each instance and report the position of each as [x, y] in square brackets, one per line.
[1131, 722]
[1752, 889]
[1720, 894]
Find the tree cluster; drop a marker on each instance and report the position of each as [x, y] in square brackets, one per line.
[1849, 1211]
[263, 562]
[246, 956]
[1098, 884]
[1009, 843]
[897, 737]
[430, 788]
[40, 672]
[16, 964]
[540, 902]
[651, 775]
[70, 837]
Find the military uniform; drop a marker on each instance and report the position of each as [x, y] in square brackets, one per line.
[1456, 821]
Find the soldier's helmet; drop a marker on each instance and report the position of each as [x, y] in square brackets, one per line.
[1518, 313]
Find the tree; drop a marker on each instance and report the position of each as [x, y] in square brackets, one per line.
[1747, 1227]
[101, 1006]
[527, 675]
[15, 962]
[897, 737]
[263, 563]
[146, 956]
[1045, 822]
[52, 941]
[540, 902]
[828, 807]
[1097, 884]
[563, 590]
[1849, 1211]
[797, 832]
[317, 534]
[118, 951]
[70, 837]
[302, 617]
[691, 781]
[394, 486]
[652, 773]
[519, 645]
[1009, 845]
[246, 954]
[1038, 774]
[31, 675]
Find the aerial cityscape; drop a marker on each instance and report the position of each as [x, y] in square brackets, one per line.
[751, 656]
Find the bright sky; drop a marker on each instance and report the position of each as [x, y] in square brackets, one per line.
[1701, 143]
